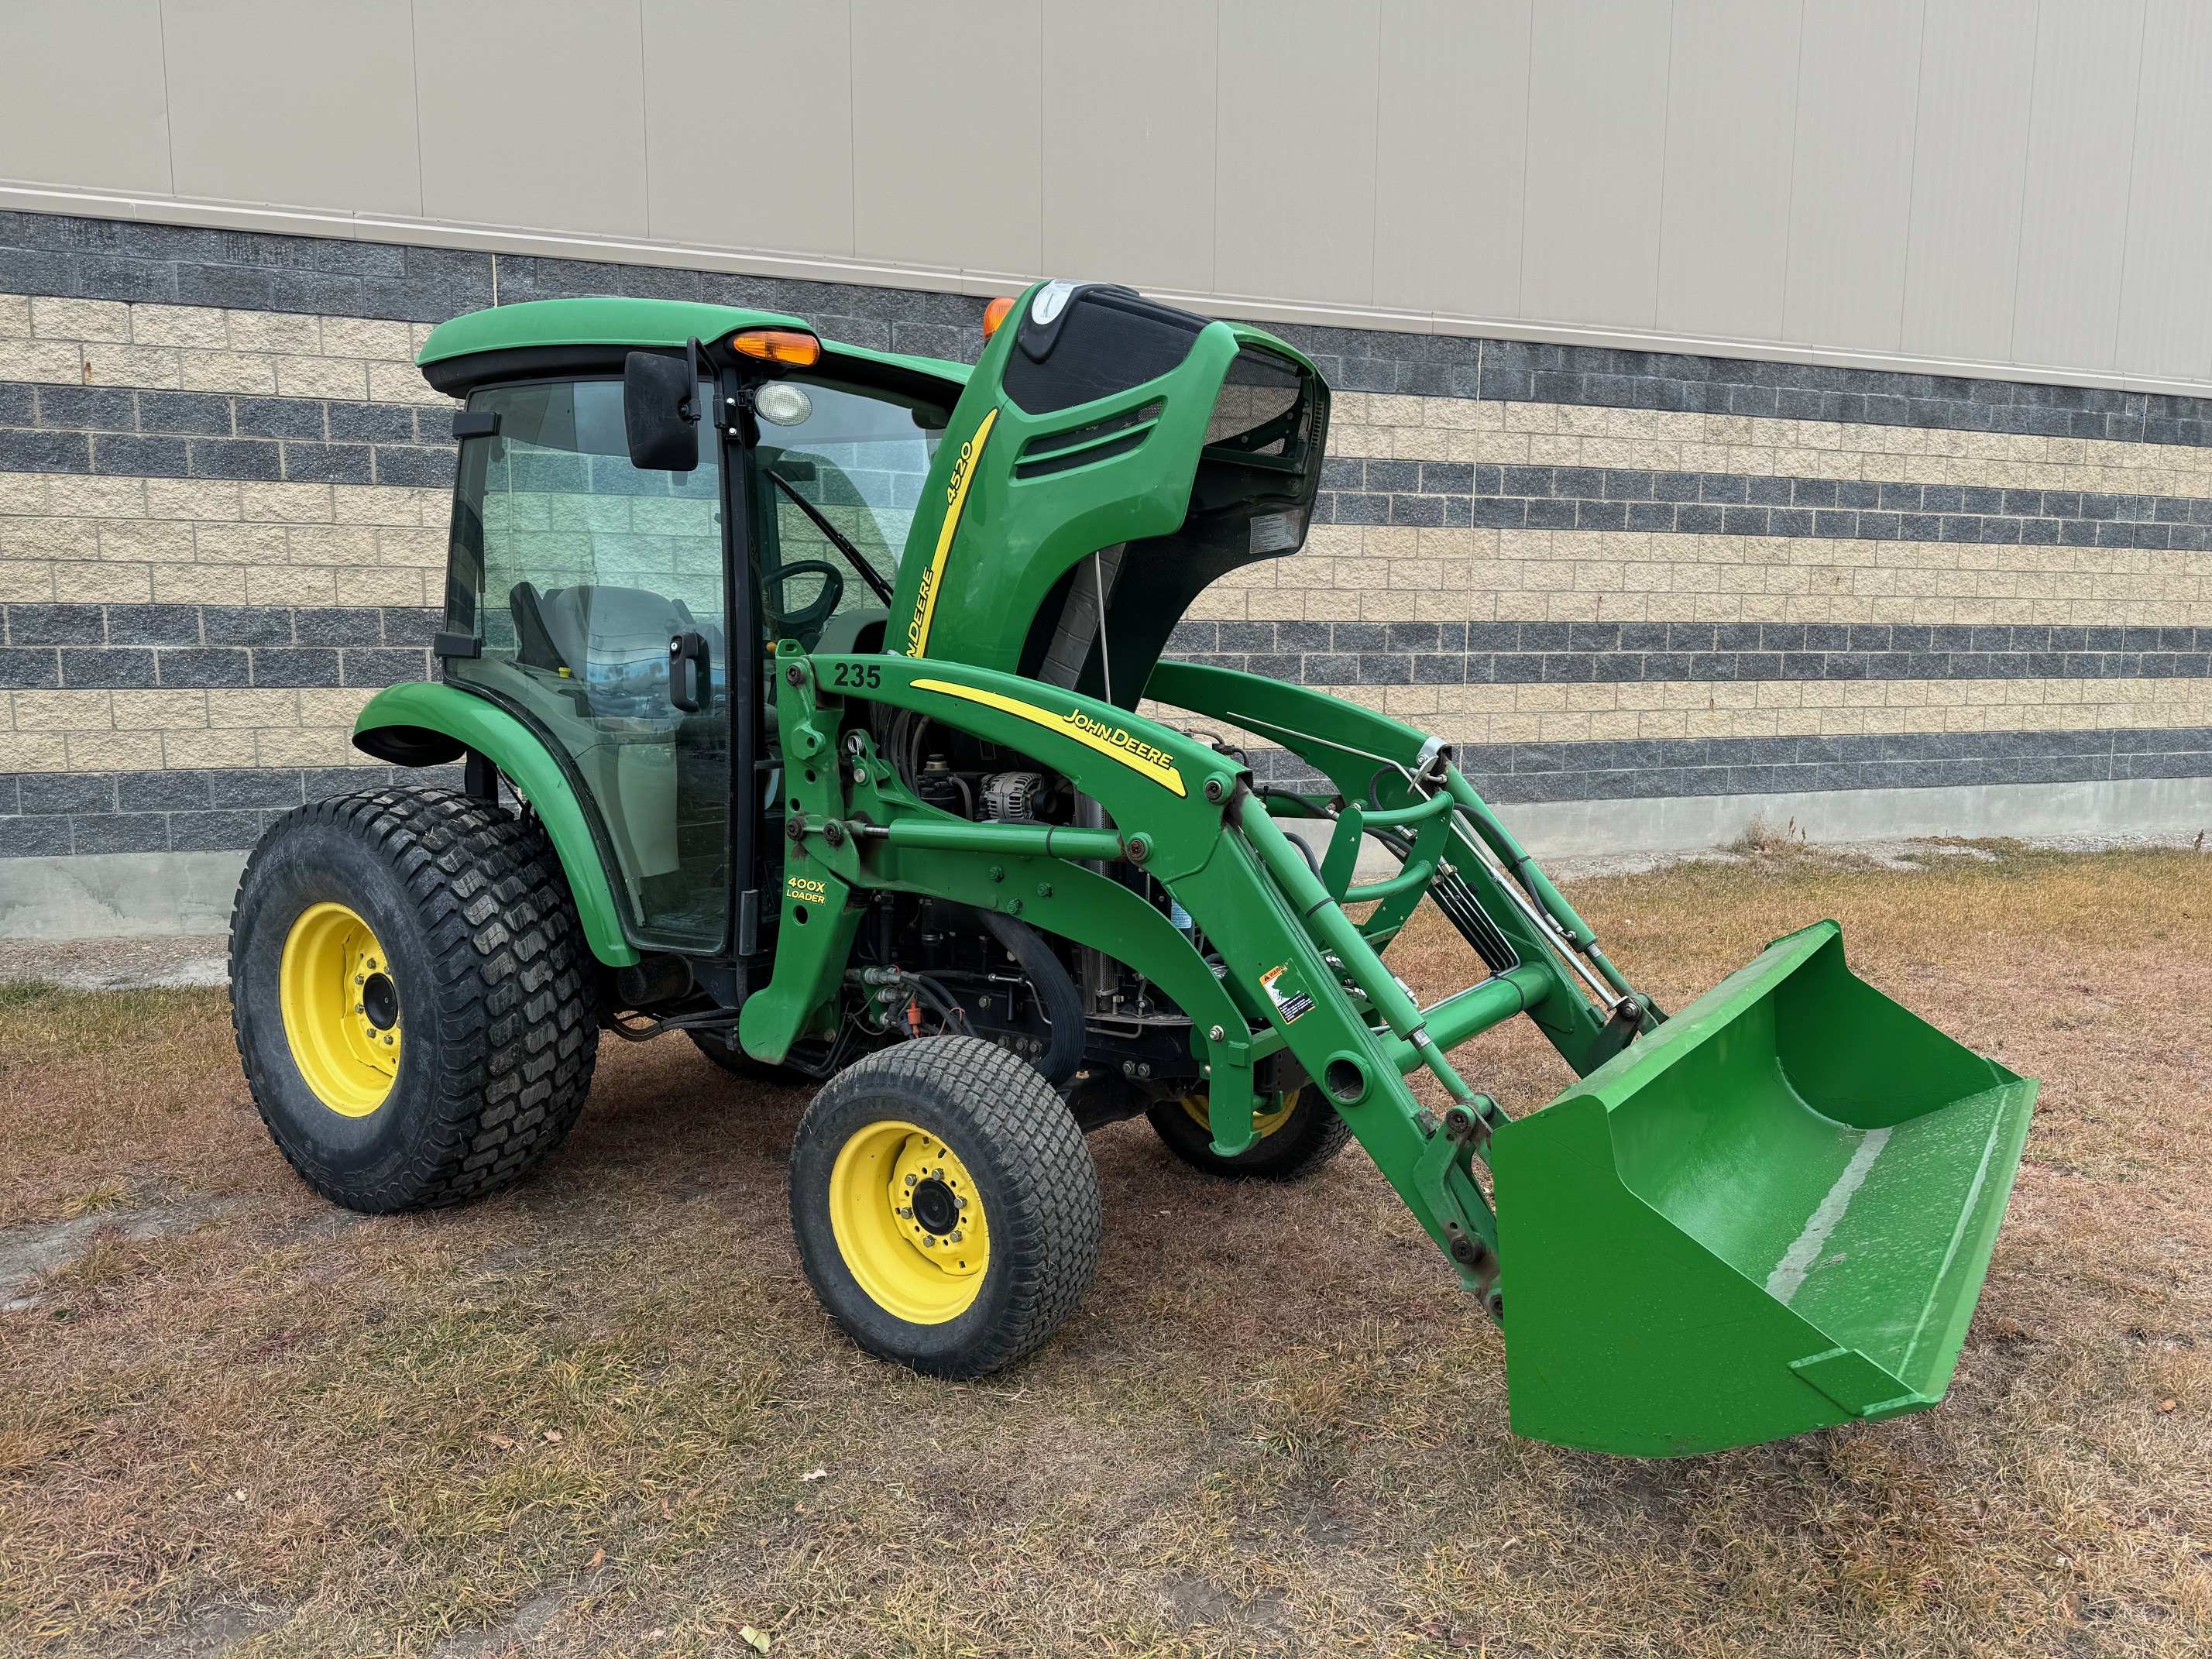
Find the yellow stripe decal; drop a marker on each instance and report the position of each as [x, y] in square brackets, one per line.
[956, 498]
[1116, 742]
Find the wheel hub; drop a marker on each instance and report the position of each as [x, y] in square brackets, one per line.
[380, 1001]
[935, 1207]
[909, 1222]
[341, 1009]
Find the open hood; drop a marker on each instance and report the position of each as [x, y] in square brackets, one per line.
[1100, 423]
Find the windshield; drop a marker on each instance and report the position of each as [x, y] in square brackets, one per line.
[858, 457]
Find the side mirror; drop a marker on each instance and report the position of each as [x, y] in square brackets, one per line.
[660, 413]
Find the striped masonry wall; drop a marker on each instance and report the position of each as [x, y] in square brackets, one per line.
[1608, 575]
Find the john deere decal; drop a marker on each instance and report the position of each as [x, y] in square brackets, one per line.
[956, 498]
[1117, 742]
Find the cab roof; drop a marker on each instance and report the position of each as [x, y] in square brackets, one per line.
[635, 323]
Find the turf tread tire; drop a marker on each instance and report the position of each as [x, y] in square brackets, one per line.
[1041, 1191]
[509, 1001]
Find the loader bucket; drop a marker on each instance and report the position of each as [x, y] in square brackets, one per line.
[1771, 1214]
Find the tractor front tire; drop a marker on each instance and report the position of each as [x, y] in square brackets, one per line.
[946, 1207]
[1297, 1136]
[412, 997]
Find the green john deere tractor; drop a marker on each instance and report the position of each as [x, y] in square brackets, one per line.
[794, 688]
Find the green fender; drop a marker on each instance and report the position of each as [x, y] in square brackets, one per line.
[425, 724]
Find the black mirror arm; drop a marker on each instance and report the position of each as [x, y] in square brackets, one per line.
[689, 408]
[865, 571]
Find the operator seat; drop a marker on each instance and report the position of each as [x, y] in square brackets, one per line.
[613, 642]
[616, 637]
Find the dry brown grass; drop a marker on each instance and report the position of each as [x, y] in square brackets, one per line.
[582, 1419]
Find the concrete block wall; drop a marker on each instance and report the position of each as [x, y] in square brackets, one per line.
[1601, 600]
[1618, 579]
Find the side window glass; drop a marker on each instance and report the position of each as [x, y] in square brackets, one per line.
[857, 457]
[577, 572]
[564, 513]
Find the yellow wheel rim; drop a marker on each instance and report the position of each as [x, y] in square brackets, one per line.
[908, 1220]
[1264, 1123]
[341, 1009]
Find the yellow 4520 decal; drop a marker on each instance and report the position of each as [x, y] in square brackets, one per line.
[955, 499]
[1115, 742]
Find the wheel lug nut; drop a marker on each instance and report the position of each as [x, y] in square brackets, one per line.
[910, 1180]
[952, 1237]
[961, 1203]
[906, 1212]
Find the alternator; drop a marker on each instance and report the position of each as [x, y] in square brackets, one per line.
[1012, 796]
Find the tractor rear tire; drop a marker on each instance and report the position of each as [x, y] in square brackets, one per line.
[1296, 1139]
[412, 997]
[946, 1207]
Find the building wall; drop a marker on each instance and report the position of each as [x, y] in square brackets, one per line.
[1619, 580]
[2003, 187]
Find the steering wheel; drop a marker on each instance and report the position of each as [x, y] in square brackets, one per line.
[803, 623]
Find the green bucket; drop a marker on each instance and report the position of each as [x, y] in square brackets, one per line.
[1772, 1214]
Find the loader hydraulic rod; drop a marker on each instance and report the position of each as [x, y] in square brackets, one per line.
[1015, 840]
[1470, 1012]
[1531, 877]
[1460, 1016]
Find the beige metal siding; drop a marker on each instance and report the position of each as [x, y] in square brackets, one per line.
[59, 62]
[333, 107]
[533, 112]
[1858, 97]
[1294, 194]
[1731, 107]
[1969, 162]
[1453, 155]
[2003, 185]
[772, 167]
[2166, 300]
[2074, 214]
[1128, 141]
[1597, 137]
[946, 157]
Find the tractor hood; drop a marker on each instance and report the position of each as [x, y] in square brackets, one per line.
[1098, 423]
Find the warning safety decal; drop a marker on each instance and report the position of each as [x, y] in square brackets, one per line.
[1289, 1003]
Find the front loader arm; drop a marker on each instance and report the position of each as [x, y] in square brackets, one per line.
[1298, 967]
[1793, 1159]
[1372, 761]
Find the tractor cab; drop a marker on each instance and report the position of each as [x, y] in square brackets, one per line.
[636, 524]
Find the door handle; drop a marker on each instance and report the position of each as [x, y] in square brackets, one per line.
[690, 672]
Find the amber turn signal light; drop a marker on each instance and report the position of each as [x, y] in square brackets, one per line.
[778, 345]
[994, 314]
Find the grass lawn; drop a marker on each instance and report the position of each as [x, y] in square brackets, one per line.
[602, 1414]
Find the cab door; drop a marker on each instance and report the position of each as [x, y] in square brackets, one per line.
[596, 593]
